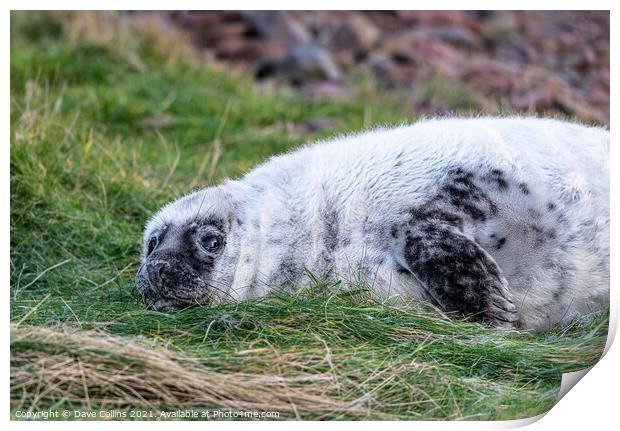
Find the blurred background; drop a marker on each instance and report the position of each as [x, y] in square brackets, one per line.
[526, 61]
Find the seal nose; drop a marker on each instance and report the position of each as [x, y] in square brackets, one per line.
[155, 270]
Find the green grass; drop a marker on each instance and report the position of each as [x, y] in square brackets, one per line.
[103, 132]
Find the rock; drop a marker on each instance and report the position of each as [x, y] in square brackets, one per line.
[455, 36]
[530, 100]
[356, 34]
[266, 68]
[345, 59]
[437, 18]
[223, 31]
[197, 20]
[492, 75]
[439, 57]
[503, 26]
[504, 55]
[572, 102]
[399, 47]
[247, 50]
[389, 72]
[207, 27]
[323, 90]
[279, 27]
[305, 63]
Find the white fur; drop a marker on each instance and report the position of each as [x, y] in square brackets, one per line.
[375, 177]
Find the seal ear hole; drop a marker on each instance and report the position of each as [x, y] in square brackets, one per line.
[151, 245]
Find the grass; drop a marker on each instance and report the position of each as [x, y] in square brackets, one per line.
[106, 126]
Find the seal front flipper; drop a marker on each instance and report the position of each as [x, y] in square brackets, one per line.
[456, 273]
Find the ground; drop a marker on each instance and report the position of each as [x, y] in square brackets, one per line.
[100, 138]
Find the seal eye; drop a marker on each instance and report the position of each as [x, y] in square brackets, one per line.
[211, 242]
[151, 246]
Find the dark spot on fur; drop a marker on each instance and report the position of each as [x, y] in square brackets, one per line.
[430, 228]
[550, 206]
[394, 232]
[288, 272]
[496, 176]
[534, 213]
[330, 237]
[455, 271]
[461, 192]
[329, 218]
[438, 215]
[559, 292]
[536, 228]
[524, 188]
[465, 179]
[475, 212]
[500, 243]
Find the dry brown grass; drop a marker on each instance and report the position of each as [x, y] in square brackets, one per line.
[89, 369]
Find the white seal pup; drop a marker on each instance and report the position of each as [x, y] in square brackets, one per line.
[504, 220]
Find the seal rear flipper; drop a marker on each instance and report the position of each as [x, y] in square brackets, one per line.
[456, 272]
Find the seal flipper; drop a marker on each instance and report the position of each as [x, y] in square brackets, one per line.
[457, 274]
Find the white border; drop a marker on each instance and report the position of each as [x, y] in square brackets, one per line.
[591, 404]
[312, 5]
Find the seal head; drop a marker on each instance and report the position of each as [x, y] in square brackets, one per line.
[186, 250]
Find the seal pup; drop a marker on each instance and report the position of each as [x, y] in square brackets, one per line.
[505, 220]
